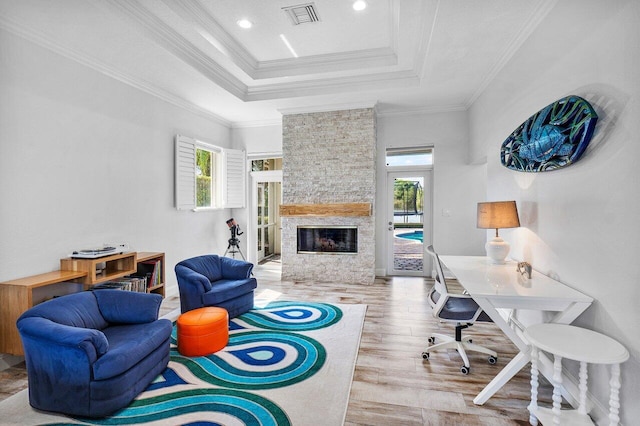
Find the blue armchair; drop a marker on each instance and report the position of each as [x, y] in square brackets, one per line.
[211, 280]
[91, 353]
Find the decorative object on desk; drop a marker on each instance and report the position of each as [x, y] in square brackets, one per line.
[524, 268]
[495, 215]
[553, 137]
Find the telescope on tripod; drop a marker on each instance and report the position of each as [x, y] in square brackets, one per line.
[234, 242]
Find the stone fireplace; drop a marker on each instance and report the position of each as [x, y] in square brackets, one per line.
[329, 179]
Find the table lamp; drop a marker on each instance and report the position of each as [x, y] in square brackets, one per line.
[497, 214]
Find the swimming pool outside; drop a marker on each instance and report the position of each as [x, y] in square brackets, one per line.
[414, 236]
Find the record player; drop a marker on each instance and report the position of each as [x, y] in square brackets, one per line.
[94, 253]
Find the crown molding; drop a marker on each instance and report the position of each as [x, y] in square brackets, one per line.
[341, 84]
[380, 57]
[82, 58]
[256, 123]
[328, 107]
[164, 35]
[195, 12]
[403, 112]
[168, 38]
[540, 12]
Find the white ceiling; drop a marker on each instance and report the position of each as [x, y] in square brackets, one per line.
[402, 55]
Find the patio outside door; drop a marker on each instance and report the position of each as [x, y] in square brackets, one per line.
[409, 222]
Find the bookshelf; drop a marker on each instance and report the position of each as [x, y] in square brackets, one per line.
[18, 295]
[157, 259]
[115, 266]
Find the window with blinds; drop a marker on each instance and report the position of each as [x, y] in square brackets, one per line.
[208, 176]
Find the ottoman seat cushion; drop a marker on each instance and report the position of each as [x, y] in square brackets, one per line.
[203, 331]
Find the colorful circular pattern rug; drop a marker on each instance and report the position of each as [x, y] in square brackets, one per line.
[284, 364]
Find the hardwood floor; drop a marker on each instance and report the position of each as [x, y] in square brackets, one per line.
[392, 383]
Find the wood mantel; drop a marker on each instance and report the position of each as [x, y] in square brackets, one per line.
[326, 210]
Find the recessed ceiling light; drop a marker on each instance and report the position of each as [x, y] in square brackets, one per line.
[244, 23]
[359, 5]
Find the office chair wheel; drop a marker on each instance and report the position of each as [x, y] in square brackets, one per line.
[425, 355]
[431, 340]
[465, 370]
[492, 360]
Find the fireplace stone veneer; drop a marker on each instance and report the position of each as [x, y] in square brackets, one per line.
[329, 158]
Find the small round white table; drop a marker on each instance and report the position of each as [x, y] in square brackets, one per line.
[578, 344]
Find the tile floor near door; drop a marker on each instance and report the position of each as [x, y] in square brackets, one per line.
[392, 384]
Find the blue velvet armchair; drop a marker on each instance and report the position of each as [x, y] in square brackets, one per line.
[91, 353]
[212, 280]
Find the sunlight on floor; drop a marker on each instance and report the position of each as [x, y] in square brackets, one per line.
[265, 297]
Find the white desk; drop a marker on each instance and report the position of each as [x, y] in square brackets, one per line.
[499, 290]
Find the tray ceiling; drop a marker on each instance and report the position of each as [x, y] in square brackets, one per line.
[402, 55]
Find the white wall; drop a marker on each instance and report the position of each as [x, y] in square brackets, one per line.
[254, 140]
[580, 224]
[457, 185]
[86, 160]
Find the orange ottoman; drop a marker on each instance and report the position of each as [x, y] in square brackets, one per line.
[203, 331]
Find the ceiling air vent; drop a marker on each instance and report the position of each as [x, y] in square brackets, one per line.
[302, 13]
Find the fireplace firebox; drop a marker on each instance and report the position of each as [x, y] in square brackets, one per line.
[328, 240]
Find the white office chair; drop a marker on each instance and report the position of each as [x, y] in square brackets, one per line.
[460, 309]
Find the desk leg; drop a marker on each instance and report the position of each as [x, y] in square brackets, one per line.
[570, 314]
[514, 366]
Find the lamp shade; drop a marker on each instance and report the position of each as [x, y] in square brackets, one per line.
[498, 214]
[495, 215]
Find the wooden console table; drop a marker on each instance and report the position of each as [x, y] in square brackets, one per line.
[16, 296]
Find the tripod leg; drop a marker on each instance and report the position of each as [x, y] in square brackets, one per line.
[227, 251]
[241, 255]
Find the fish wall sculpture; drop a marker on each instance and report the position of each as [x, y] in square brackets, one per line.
[554, 137]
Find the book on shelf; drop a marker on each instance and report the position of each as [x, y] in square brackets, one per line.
[152, 271]
[126, 283]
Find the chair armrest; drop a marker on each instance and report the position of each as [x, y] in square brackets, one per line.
[234, 268]
[128, 307]
[193, 281]
[40, 334]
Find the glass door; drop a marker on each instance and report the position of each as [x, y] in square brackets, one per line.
[267, 223]
[409, 222]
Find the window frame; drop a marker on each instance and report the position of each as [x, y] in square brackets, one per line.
[228, 183]
[410, 150]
